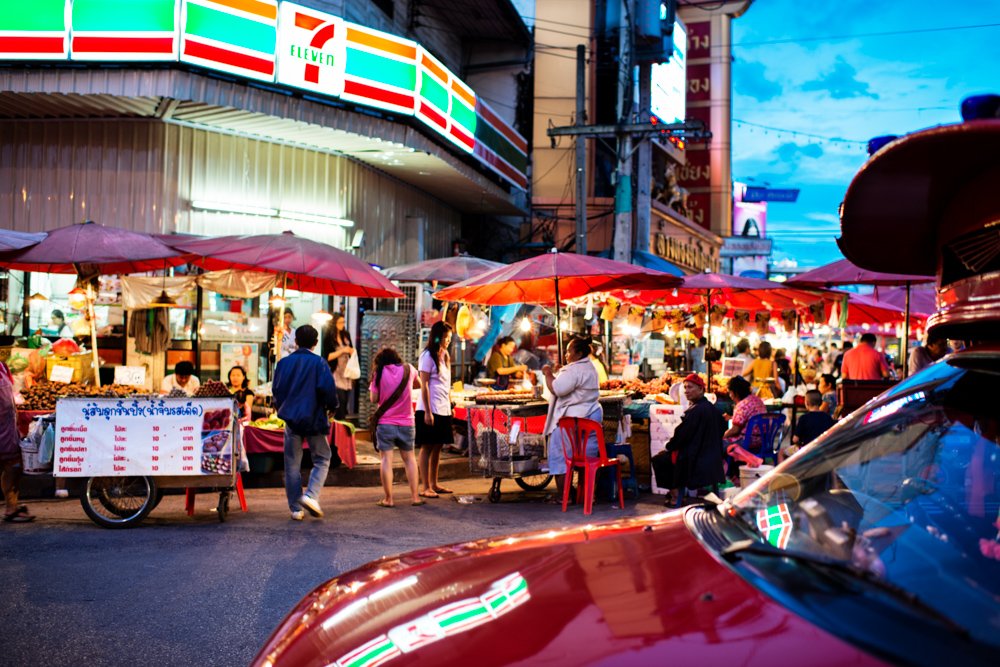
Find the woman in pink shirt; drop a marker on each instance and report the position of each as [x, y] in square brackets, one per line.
[392, 423]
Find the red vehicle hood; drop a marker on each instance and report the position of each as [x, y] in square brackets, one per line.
[637, 591]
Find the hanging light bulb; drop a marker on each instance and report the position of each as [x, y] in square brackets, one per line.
[564, 326]
[37, 297]
[674, 292]
[525, 324]
[163, 301]
[322, 317]
[589, 312]
[77, 298]
[276, 302]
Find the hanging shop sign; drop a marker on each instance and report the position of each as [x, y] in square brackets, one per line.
[276, 42]
[125, 437]
[745, 246]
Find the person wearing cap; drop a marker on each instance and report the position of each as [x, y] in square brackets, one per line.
[697, 444]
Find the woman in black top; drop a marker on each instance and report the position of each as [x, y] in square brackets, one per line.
[239, 387]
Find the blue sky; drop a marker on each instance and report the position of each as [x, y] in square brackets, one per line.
[845, 91]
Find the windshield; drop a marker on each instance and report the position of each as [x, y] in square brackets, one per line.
[907, 491]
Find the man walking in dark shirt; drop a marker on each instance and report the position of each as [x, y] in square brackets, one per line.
[303, 391]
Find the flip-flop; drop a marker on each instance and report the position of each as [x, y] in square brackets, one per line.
[418, 502]
[20, 515]
[382, 503]
[441, 489]
[429, 494]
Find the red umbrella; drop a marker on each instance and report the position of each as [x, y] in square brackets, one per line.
[845, 272]
[306, 265]
[548, 278]
[736, 292]
[88, 249]
[868, 310]
[447, 270]
[12, 240]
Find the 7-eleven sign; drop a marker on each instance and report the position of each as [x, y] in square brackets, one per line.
[310, 49]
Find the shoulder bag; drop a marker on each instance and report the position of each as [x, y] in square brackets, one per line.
[391, 401]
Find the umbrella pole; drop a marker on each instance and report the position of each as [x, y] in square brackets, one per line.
[559, 337]
[906, 333]
[280, 324]
[707, 331]
[93, 335]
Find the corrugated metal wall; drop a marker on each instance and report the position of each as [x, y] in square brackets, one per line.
[143, 174]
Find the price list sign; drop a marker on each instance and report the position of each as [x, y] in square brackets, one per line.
[159, 436]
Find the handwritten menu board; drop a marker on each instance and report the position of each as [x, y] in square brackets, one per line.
[158, 436]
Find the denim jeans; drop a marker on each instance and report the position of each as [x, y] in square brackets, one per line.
[319, 448]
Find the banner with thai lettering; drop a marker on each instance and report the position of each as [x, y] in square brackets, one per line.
[109, 437]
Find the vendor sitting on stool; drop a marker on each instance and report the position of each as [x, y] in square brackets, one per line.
[575, 393]
[182, 378]
[697, 443]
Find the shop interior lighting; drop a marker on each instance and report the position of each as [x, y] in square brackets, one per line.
[276, 302]
[525, 324]
[322, 317]
[265, 212]
[37, 297]
[77, 298]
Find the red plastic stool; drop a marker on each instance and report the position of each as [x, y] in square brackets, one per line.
[189, 495]
[577, 432]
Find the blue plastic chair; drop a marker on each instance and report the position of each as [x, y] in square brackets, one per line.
[630, 483]
[762, 434]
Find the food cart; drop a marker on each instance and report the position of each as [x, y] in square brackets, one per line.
[131, 449]
[506, 438]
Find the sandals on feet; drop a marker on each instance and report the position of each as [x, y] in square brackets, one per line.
[441, 489]
[429, 494]
[418, 502]
[20, 515]
[384, 503]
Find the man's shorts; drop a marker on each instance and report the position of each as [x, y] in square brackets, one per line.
[389, 435]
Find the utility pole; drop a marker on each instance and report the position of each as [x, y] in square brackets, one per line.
[581, 151]
[623, 188]
[644, 166]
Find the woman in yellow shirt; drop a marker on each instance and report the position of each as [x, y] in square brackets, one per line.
[763, 372]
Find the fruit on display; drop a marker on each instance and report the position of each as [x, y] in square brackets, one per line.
[43, 395]
[212, 389]
[273, 423]
[65, 347]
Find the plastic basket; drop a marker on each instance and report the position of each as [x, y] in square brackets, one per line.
[750, 475]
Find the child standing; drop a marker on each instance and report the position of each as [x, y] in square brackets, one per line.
[811, 425]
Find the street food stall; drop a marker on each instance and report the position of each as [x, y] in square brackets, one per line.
[131, 449]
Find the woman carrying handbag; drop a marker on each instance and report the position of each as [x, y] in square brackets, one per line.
[339, 358]
[392, 424]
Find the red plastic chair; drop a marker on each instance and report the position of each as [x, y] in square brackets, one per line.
[577, 432]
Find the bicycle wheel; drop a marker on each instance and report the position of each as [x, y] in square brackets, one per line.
[118, 502]
[533, 482]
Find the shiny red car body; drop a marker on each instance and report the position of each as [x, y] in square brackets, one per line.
[638, 591]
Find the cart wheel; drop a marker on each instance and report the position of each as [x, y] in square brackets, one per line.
[533, 482]
[223, 508]
[494, 493]
[157, 498]
[118, 502]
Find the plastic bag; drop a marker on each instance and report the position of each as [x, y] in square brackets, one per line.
[352, 371]
[48, 443]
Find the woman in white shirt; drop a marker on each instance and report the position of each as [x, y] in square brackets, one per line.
[576, 392]
[433, 416]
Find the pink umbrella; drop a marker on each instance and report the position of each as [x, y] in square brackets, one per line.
[923, 298]
[306, 265]
[89, 249]
[867, 310]
[12, 240]
[447, 270]
[844, 272]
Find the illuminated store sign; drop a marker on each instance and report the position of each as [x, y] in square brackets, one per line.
[276, 42]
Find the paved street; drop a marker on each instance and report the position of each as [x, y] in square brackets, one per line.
[182, 590]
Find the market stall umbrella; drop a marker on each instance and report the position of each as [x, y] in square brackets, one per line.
[863, 310]
[845, 272]
[13, 240]
[549, 278]
[446, 270]
[89, 249]
[306, 265]
[923, 298]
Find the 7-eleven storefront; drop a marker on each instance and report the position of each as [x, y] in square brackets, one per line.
[238, 117]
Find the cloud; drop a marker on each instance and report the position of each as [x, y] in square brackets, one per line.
[791, 152]
[824, 217]
[750, 79]
[841, 83]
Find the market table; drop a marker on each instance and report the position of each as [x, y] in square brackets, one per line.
[269, 441]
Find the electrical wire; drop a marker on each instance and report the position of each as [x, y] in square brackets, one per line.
[836, 140]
